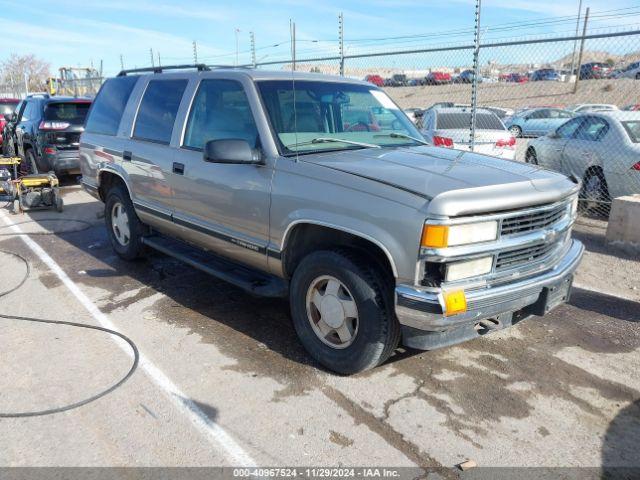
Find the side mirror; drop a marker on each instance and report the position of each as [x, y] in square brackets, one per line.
[230, 151]
[553, 134]
[8, 117]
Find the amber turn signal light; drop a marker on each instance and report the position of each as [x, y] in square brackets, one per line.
[455, 302]
[435, 236]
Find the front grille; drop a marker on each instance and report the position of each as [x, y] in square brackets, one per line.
[523, 256]
[533, 220]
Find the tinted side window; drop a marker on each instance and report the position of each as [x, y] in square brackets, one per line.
[158, 110]
[104, 116]
[220, 111]
[568, 129]
[539, 114]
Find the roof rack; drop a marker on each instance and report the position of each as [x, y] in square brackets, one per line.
[201, 67]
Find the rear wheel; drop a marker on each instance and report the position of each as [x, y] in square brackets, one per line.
[123, 226]
[31, 167]
[342, 310]
[516, 131]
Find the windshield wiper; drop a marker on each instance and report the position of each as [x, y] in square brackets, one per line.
[402, 135]
[332, 140]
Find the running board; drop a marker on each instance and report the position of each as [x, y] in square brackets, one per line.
[246, 278]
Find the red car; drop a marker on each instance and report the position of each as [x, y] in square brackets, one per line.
[7, 107]
[516, 78]
[377, 80]
[438, 78]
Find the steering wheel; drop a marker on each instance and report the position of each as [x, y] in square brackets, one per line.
[352, 128]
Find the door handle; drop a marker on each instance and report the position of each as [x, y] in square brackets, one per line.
[126, 156]
[178, 168]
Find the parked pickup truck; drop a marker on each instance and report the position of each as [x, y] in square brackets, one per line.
[375, 236]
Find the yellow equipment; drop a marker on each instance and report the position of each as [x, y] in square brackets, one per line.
[29, 192]
[37, 192]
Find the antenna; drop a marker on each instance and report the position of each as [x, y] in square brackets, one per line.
[121, 62]
[341, 40]
[195, 52]
[292, 29]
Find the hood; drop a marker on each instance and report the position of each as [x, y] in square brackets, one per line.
[457, 182]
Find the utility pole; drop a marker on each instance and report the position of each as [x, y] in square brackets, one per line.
[584, 34]
[292, 27]
[341, 41]
[195, 52]
[121, 62]
[237, 31]
[26, 85]
[252, 37]
[575, 42]
[476, 71]
[151, 55]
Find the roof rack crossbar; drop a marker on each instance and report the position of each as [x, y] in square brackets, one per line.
[159, 69]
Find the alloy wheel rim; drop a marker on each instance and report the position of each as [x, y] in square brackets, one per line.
[120, 224]
[332, 312]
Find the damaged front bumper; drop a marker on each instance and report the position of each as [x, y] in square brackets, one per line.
[425, 325]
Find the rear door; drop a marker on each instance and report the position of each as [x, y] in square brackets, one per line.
[222, 207]
[27, 123]
[148, 156]
[535, 122]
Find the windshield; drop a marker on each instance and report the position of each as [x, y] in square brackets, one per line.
[71, 112]
[7, 108]
[633, 129]
[341, 111]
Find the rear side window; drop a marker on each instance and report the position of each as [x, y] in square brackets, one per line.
[158, 110]
[461, 121]
[633, 129]
[71, 112]
[109, 105]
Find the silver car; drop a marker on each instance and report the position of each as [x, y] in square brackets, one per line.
[320, 189]
[449, 127]
[601, 148]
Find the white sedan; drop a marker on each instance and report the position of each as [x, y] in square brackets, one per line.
[600, 148]
[450, 128]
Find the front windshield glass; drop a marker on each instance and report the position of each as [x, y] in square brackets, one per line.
[327, 112]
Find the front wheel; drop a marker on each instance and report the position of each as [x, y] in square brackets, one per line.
[594, 195]
[531, 157]
[123, 226]
[343, 312]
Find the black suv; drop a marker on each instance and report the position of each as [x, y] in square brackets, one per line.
[47, 133]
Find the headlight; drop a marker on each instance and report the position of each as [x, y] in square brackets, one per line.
[468, 268]
[574, 207]
[441, 236]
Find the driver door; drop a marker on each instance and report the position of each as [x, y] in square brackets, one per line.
[554, 144]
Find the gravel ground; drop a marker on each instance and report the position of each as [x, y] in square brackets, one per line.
[562, 390]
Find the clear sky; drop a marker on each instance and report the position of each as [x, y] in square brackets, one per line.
[77, 32]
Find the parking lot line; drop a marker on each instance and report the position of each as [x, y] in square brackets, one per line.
[207, 427]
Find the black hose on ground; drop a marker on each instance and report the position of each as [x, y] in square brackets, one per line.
[134, 348]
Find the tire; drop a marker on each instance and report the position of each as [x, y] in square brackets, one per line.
[594, 193]
[59, 203]
[531, 157]
[126, 242]
[31, 165]
[516, 131]
[375, 332]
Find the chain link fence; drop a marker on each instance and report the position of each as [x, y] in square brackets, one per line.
[571, 103]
